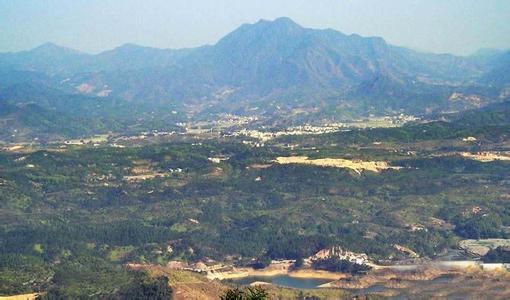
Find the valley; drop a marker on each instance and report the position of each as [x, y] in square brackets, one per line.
[292, 78]
[156, 199]
[310, 162]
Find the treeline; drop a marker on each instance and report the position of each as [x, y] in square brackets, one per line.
[498, 255]
[481, 224]
[118, 233]
[492, 123]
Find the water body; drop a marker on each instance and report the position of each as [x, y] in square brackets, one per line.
[285, 281]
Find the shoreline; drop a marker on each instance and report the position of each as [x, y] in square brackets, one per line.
[247, 272]
[284, 269]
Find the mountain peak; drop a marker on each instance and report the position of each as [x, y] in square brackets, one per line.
[52, 48]
[248, 34]
[48, 45]
[130, 46]
[127, 48]
[285, 21]
[486, 52]
[281, 22]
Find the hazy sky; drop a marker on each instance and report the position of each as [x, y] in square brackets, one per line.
[455, 26]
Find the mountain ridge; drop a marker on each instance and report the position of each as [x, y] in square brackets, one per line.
[278, 64]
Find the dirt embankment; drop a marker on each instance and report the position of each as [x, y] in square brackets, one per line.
[21, 297]
[427, 283]
[475, 284]
[388, 278]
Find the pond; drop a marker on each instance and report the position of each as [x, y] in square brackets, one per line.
[284, 280]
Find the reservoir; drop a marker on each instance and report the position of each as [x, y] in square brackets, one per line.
[284, 280]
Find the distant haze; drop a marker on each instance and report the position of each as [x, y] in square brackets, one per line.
[440, 26]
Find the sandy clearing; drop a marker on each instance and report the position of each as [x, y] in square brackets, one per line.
[486, 156]
[357, 165]
[481, 247]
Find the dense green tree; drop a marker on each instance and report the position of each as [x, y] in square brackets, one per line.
[498, 255]
[334, 264]
[248, 293]
[145, 287]
[479, 226]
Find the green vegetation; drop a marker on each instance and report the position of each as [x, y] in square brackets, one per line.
[145, 287]
[334, 264]
[481, 226]
[262, 262]
[172, 176]
[498, 255]
[248, 293]
[70, 219]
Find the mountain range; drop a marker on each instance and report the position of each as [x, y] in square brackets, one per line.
[270, 68]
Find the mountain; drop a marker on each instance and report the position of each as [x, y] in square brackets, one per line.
[497, 114]
[47, 58]
[279, 64]
[56, 100]
[28, 121]
[131, 56]
[498, 73]
[270, 56]
[274, 67]
[52, 59]
[9, 77]
[30, 109]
